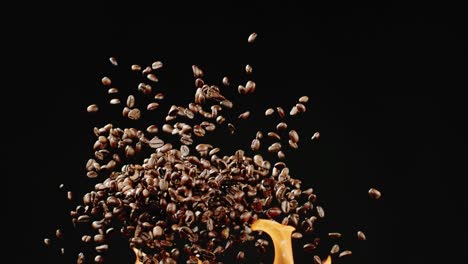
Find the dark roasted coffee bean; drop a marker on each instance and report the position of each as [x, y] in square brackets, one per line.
[361, 235]
[106, 81]
[80, 258]
[255, 144]
[92, 108]
[294, 136]
[134, 114]
[282, 126]
[248, 69]
[334, 235]
[136, 67]
[317, 260]
[335, 249]
[316, 135]
[244, 115]
[374, 193]
[102, 248]
[226, 81]
[113, 61]
[47, 242]
[99, 259]
[274, 135]
[152, 106]
[345, 253]
[156, 65]
[197, 72]
[275, 147]
[301, 108]
[309, 247]
[252, 37]
[59, 233]
[296, 235]
[280, 111]
[152, 77]
[304, 99]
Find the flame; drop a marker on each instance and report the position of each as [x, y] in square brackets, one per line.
[280, 234]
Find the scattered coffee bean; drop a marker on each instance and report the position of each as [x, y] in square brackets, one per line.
[374, 193]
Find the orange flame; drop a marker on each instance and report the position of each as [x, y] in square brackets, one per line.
[280, 234]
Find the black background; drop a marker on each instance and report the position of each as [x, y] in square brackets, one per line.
[385, 85]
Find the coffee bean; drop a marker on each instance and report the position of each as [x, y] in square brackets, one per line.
[113, 61]
[99, 238]
[255, 144]
[345, 253]
[250, 87]
[106, 81]
[293, 144]
[309, 247]
[231, 128]
[275, 147]
[91, 174]
[152, 129]
[198, 131]
[99, 259]
[361, 235]
[280, 111]
[281, 126]
[102, 248]
[240, 256]
[47, 242]
[136, 67]
[320, 212]
[156, 65]
[197, 72]
[146, 89]
[114, 101]
[131, 101]
[296, 235]
[252, 37]
[80, 258]
[316, 136]
[304, 99]
[59, 233]
[112, 91]
[248, 69]
[69, 195]
[281, 155]
[159, 96]
[374, 193]
[294, 111]
[83, 218]
[285, 206]
[294, 136]
[226, 81]
[269, 111]
[92, 108]
[146, 70]
[244, 115]
[273, 212]
[334, 235]
[134, 114]
[274, 135]
[317, 260]
[335, 249]
[152, 77]
[152, 106]
[301, 108]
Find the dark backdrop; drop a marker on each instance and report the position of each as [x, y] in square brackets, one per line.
[383, 84]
